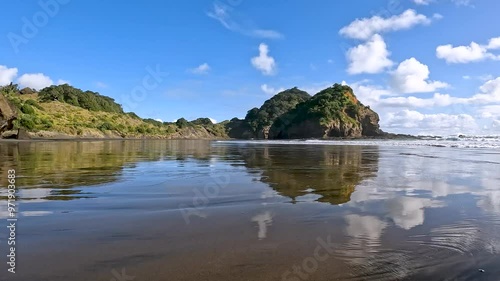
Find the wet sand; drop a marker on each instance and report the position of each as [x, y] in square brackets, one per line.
[199, 210]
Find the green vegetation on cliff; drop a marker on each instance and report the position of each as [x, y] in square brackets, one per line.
[259, 120]
[65, 111]
[333, 112]
[88, 100]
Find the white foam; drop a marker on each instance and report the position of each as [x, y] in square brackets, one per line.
[452, 141]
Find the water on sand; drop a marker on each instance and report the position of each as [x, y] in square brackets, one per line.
[199, 210]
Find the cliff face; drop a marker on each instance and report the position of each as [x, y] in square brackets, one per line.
[333, 112]
[8, 114]
[259, 121]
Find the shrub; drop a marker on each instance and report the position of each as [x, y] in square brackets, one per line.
[88, 100]
[33, 103]
[27, 122]
[182, 123]
[27, 109]
[46, 123]
[106, 126]
[133, 115]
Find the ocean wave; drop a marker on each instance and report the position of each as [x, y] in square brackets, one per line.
[491, 142]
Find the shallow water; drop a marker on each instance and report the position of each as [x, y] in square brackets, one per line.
[200, 210]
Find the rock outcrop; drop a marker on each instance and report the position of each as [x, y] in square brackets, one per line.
[332, 113]
[8, 114]
[258, 121]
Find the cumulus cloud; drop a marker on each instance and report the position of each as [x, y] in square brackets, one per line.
[411, 76]
[494, 43]
[490, 111]
[431, 123]
[367, 27]
[271, 90]
[7, 75]
[62, 82]
[201, 69]
[474, 52]
[368, 94]
[369, 57]
[489, 92]
[264, 62]
[213, 120]
[223, 14]
[438, 99]
[35, 81]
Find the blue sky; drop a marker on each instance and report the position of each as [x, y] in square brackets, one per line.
[413, 61]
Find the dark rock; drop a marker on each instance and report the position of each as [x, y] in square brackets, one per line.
[22, 135]
[8, 114]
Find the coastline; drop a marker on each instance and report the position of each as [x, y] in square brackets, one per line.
[57, 136]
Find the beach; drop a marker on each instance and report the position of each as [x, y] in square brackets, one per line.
[254, 210]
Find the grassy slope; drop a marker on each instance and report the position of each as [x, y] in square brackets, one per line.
[56, 119]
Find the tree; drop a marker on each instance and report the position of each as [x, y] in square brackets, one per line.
[182, 123]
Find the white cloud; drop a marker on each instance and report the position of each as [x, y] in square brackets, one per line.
[485, 77]
[101, 84]
[412, 76]
[62, 82]
[213, 120]
[7, 75]
[368, 94]
[437, 16]
[201, 69]
[264, 62]
[367, 27]
[35, 81]
[462, 54]
[437, 100]
[159, 120]
[422, 2]
[222, 14]
[271, 90]
[489, 95]
[465, 3]
[370, 57]
[490, 92]
[431, 123]
[471, 53]
[266, 34]
[490, 111]
[494, 43]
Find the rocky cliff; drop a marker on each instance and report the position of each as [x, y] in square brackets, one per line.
[333, 112]
[8, 114]
[258, 121]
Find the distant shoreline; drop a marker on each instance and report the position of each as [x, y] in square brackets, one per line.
[389, 137]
